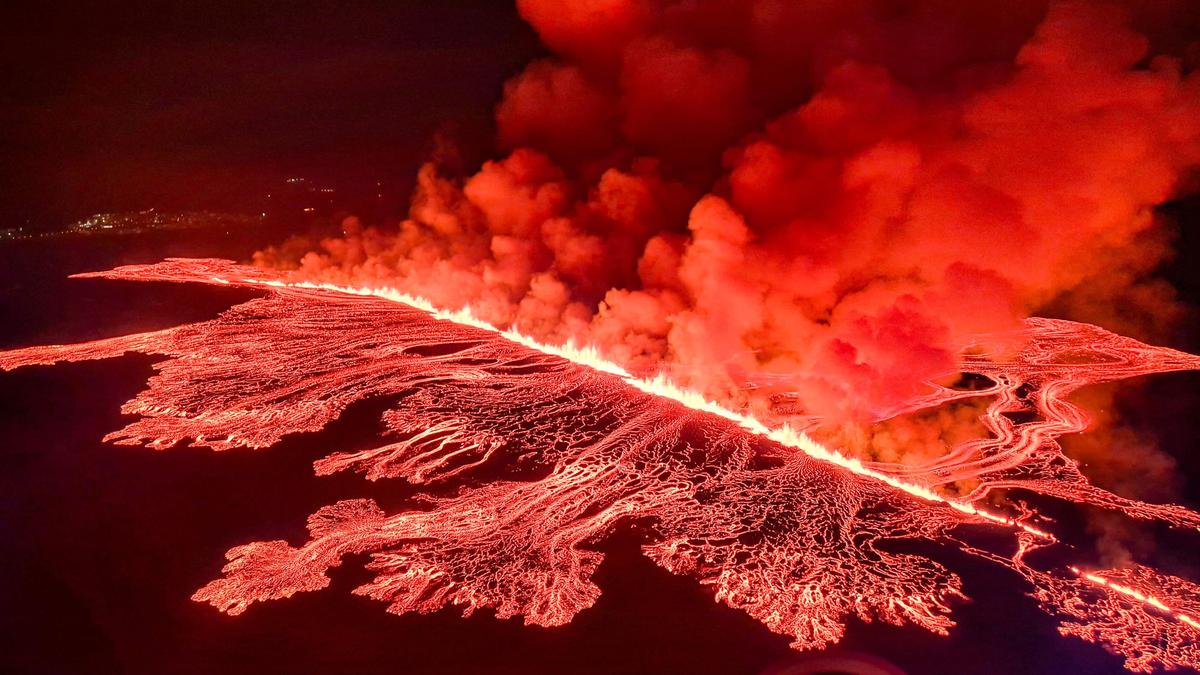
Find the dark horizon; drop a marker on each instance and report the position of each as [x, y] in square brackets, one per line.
[815, 218]
[118, 108]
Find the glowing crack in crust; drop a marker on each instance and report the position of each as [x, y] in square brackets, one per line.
[554, 447]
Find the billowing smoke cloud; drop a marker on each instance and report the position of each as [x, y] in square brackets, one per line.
[806, 206]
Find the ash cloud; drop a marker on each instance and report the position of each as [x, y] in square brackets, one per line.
[807, 206]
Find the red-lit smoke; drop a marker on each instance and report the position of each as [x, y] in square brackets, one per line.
[561, 449]
[808, 203]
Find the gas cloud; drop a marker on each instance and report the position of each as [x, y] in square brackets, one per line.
[810, 209]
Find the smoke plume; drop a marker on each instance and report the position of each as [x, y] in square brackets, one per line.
[807, 207]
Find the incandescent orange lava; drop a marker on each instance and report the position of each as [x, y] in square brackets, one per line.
[554, 447]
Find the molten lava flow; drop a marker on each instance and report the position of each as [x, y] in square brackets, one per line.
[1128, 609]
[571, 445]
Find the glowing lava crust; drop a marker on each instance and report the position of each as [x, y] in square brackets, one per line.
[571, 445]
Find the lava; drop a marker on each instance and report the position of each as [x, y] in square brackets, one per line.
[1142, 614]
[553, 447]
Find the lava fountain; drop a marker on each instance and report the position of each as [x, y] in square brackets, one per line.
[791, 532]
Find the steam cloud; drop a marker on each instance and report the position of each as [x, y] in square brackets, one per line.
[807, 207]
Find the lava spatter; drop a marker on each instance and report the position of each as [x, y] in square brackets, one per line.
[777, 525]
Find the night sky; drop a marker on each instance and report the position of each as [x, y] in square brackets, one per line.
[208, 105]
[111, 106]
